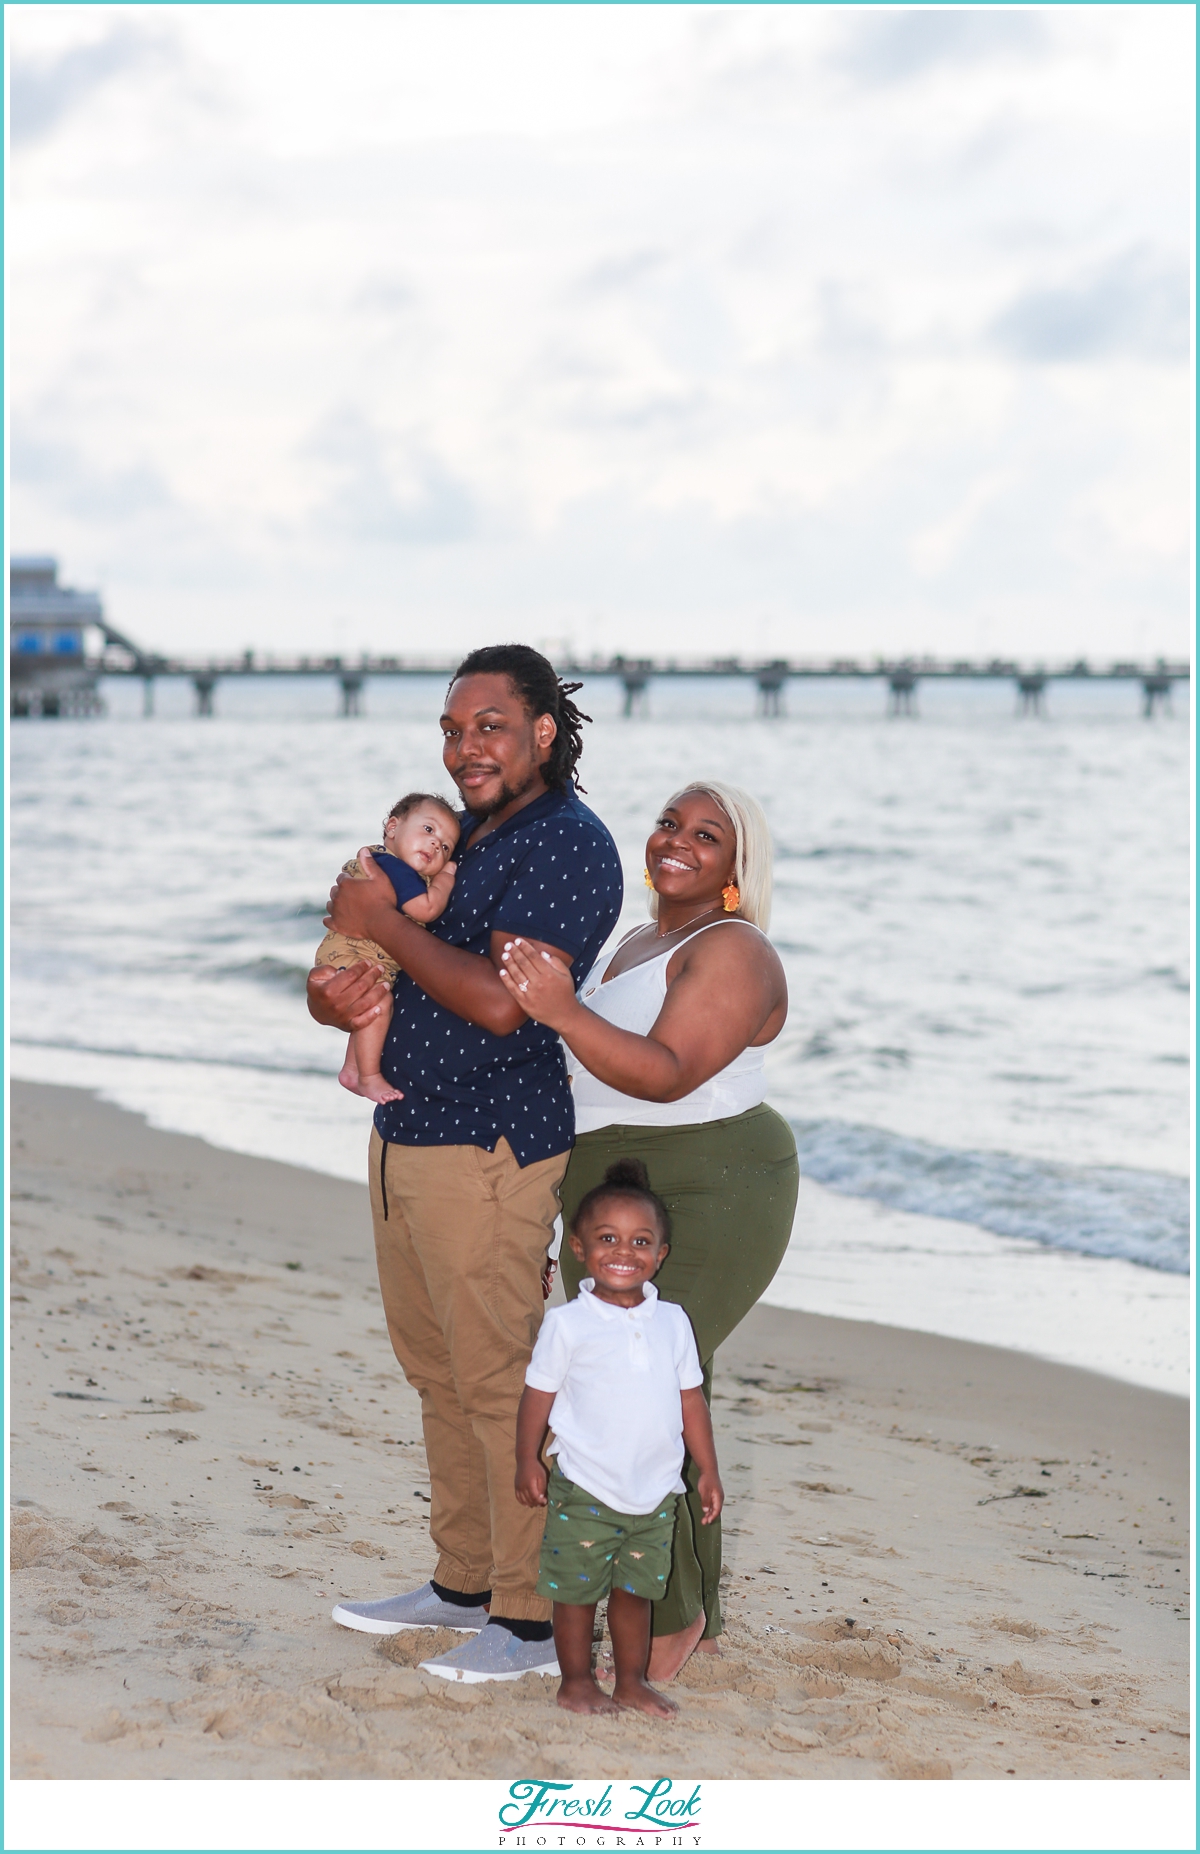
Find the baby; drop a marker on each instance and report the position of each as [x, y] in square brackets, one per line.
[419, 835]
[615, 1374]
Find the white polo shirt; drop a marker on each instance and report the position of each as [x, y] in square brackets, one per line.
[617, 1373]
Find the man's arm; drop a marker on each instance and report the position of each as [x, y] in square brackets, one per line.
[364, 907]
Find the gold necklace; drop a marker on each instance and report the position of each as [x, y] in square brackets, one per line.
[685, 924]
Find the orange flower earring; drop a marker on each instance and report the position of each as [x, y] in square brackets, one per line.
[732, 897]
[649, 883]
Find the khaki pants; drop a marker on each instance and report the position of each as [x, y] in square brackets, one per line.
[461, 1237]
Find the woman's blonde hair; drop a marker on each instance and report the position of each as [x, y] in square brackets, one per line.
[753, 853]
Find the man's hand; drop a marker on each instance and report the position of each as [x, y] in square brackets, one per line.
[355, 901]
[348, 1000]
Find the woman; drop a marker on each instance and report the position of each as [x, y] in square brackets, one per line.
[666, 1041]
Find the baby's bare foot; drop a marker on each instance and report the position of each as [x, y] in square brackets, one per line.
[376, 1089]
[348, 1076]
[583, 1696]
[638, 1696]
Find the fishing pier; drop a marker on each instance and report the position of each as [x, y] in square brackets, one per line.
[53, 672]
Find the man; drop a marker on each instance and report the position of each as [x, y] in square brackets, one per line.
[465, 1168]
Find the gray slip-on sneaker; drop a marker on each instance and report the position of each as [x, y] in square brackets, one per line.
[417, 1609]
[494, 1654]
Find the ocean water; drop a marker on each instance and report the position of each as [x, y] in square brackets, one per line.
[984, 922]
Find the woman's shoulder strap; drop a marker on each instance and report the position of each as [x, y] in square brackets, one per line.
[730, 920]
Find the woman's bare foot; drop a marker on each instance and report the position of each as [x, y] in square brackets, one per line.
[583, 1696]
[376, 1089]
[637, 1696]
[669, 1652]
[711, 1647]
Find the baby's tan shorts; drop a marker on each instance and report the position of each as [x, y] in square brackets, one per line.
[341, 950]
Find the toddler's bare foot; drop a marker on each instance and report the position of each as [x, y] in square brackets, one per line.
[583, 1695]
[348, 1075]
[637, 1696]
[376, 1089]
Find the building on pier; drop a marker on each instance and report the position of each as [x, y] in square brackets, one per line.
[50, 671]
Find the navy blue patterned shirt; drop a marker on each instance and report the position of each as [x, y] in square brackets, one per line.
[550, 872]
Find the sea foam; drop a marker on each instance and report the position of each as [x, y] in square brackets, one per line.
[1139, 1216]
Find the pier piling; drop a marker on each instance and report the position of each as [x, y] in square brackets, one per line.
[1031, 694]
[902, 693]
[772, 683]
[1156, 692]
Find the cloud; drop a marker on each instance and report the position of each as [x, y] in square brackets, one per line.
[46, 90]
[887, 48]
[75, 485]
[618, 274]
[436, 507]
[1138, 305]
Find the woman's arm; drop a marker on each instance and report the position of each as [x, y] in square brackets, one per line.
[721, 999]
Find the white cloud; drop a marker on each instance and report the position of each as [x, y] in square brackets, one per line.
[659, 327]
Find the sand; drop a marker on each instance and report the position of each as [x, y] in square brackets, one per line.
[943, 1560]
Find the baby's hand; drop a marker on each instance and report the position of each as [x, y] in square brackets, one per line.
[531, 1483]
[441, 887]
[426, 908]
[712, 1496]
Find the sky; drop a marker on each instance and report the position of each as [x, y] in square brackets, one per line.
[685, 330]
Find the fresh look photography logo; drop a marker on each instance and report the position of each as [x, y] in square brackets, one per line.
[661, 1814]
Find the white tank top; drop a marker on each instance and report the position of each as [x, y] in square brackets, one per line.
[632, 1001]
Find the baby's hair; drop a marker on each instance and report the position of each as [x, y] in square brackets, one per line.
[624, 1178]
[412, 800]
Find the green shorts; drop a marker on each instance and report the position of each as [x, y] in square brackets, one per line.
[588, 1547]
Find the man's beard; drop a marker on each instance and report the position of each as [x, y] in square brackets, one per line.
[507, 795]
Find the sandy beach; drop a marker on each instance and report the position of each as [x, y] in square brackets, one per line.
[943, 1560]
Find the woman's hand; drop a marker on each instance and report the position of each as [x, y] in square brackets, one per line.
[541, 984]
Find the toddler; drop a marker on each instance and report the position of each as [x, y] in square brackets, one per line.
[419, 836]
[615, 1374]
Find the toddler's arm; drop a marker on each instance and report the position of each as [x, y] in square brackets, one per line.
[698, 1440]
[533, 1420]
[426, 908]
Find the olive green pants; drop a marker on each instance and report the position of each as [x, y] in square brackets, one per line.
[730, 1186]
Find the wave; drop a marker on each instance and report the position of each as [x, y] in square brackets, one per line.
[1111, 1211]
[279, 974]
[127, 1054]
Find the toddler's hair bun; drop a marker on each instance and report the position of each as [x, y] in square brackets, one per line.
[624, 1178]
[628, 1175]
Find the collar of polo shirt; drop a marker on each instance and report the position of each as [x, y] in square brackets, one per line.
[609, 1312]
